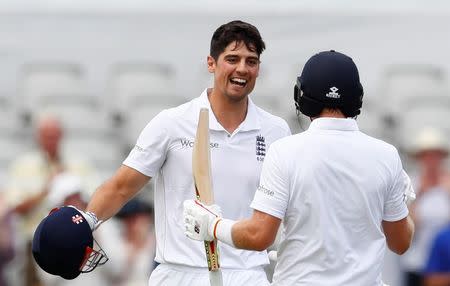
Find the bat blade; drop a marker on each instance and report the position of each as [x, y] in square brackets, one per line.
[201, 160]
[201, 169]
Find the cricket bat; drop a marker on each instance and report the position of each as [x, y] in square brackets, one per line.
[201, 169]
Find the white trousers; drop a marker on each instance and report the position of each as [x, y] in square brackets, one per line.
[176, 275]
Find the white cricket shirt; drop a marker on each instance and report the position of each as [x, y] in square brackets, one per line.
[333, 186]
[164, 152]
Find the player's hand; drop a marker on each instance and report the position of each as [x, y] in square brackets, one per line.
[199, 220]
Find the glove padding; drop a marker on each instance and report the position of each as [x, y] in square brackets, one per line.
[91, 219]
[200, 220]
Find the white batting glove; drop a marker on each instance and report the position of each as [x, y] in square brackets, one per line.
[199, 220]
[409, 195]
[90, 218]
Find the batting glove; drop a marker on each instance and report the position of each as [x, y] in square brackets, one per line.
[91, 219]
[200, 220]
[409, 195]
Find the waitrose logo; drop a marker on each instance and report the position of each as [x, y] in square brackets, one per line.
[188, 143]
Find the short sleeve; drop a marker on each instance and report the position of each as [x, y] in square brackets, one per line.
[151, 147]
[272, 195]
[395, 207]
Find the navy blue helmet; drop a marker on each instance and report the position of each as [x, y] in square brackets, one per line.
[63, 244]
[329, 80]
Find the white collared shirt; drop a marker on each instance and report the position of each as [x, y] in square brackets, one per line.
[164, 152]
[333, 185]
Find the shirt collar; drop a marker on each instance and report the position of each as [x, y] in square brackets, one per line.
[251, 121]
[328, 123]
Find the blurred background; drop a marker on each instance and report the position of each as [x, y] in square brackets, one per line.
[85, 77]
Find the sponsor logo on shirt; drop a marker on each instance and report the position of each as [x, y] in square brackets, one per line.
[265, 191]
[260, 148]
[189, 143]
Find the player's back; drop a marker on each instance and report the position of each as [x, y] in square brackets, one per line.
[340, 179]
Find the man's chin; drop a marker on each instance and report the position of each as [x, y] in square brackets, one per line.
[237, 97]
[238, 94]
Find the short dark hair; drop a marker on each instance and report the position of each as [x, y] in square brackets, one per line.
[238, 31]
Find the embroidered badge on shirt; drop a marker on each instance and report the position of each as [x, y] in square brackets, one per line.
[260, 148]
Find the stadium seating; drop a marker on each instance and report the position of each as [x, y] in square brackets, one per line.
[373, 119]
[59, 89]
[414, 96]
[105, 127]
[138, 92]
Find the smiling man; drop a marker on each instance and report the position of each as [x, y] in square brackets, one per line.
[239, 134]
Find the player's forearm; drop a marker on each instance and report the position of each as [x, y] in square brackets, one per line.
[107, 201]
[249, 235]
[205, 223]
[409, 233]
[115, 192]
[240, 234]
[399, 234]
[256, 233]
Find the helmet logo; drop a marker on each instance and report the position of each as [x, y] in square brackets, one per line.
[333, 93]
[77, 219]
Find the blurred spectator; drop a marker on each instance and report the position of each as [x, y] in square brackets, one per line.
[431, 209]
[67, 189]
[139, 242]
[27, 187]
[437, 270]
[6, 245]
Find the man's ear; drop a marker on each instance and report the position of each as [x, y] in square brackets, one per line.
[211, 64]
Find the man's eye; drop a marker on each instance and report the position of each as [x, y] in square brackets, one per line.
[231, 60]
[252, 62]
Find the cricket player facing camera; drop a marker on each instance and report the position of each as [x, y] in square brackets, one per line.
[342, 195]
[239, 134]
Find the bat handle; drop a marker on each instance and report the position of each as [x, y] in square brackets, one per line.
[215, 277]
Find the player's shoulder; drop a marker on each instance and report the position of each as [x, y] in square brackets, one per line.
[379, 144]
[270, 120]
[288, 143]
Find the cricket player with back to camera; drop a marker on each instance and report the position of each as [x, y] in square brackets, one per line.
[341, 194]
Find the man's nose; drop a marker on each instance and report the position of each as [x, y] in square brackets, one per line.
[242, 67]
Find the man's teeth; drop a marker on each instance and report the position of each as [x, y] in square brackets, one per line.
[239, 81]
